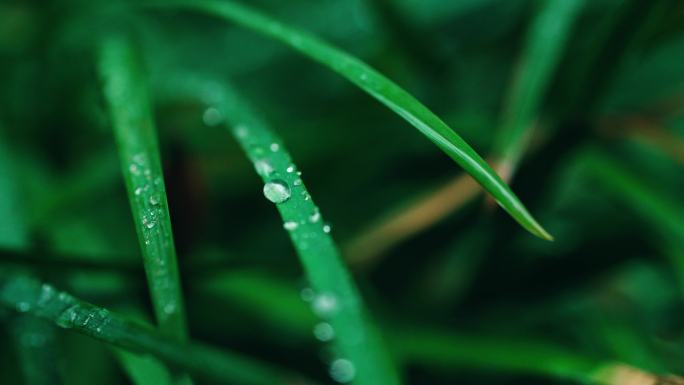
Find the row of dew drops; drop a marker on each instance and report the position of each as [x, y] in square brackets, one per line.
[71, 313]
[324, 305]
[278, 191]
[149, 193]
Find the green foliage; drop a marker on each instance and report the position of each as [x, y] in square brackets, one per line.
[580, 100]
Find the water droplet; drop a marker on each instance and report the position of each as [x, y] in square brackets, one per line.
[277, 191]
[134, 169]
[212, 116]
[169, 308]
[327, 229]
[299, 173]
[324, 305]
[149, 223]
[241, 131]
[263, 168]
[67, 318]
[297, 182]
[275, 147]
[342, 370]
[324, 332]
[23, 307]
[290, 168]
[138, 191]
[315, 217]
[155, 199]
[290, 225]
[307, 294]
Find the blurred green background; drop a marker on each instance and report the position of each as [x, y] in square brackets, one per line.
[597, 87]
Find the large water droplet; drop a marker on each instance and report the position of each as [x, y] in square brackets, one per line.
[212, 116]
[277, 191]
[342, 370]
[324, 332]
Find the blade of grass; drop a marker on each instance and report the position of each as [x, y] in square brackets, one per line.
[660, 212]
[28, 295]
[544, 45]
[127, 97]
[361, 354]
[34, 339]
[381, 88]
[439, 349]
[447, 351]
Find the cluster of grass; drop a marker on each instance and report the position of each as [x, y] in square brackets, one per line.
[144, 147]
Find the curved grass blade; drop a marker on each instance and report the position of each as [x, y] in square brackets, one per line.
[361, 356]
[28, 295]
[546, 39]
[382, 89]
[131, 114]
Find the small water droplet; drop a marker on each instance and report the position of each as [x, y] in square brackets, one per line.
[315, 217]
[149, 223]
[212, 117]
[138, 191]
[23, 307]
[134, 169]
[324, 332]
[277, 191]
[290, 168]
[169, 308]
[307, 294]
[327, 228]
[290, 225]
[67, 317]
[241, 131]
[324, 305]
[155, 199]
[297, 182]
[342, 370]
[275, 147]
[263, 168]
[299, 173]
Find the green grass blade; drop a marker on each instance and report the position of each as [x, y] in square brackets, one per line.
[131, 114]
[361, 354]
[384, 90]
[28, 295]
[447, 351]
[660, 212]
[546, 39]
[34, 339]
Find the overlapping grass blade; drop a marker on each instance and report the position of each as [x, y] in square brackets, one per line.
[28, 295]
[544, 45]
[131, 114]
[361, 355]
[381, 88]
